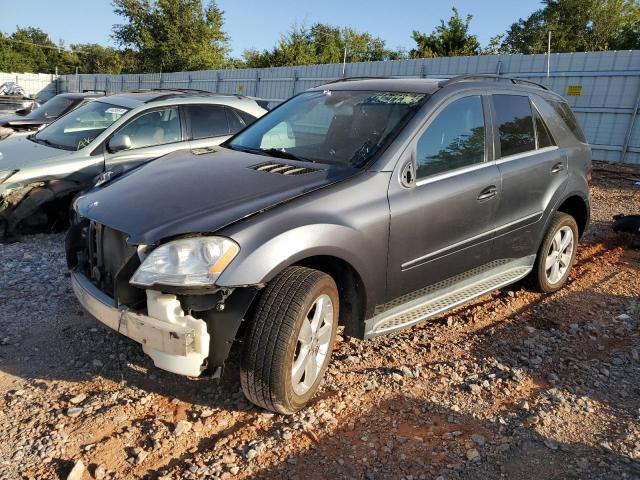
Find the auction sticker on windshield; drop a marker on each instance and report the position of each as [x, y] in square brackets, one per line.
[116, 111]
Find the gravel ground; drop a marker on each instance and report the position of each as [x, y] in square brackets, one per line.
[514, 385]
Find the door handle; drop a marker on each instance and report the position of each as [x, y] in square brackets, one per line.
[558, 167]
[489, 192]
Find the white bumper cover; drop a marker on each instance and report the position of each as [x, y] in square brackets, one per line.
[176, 342]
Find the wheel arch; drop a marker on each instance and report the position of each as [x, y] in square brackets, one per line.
[351, 290]
[578, 207]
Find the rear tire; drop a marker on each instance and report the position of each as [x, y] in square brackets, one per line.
[289, 341]
[556, 254]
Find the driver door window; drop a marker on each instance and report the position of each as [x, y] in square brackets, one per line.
[158, 127]
[455, 139]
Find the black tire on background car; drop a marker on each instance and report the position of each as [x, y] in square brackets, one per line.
[556, 255]
[289, 341]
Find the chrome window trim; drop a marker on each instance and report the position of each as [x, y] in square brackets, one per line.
[453, 173]
[529, 153]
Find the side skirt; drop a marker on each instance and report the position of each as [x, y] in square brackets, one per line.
[450, 293]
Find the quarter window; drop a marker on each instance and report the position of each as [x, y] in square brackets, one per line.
[247, 118]
[207, 121]
[456, 138]
[235, 123]
[542, 132]
[515, 124]
[154, 128]
[565, 112]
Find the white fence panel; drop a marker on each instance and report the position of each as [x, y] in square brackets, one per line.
[38, 85]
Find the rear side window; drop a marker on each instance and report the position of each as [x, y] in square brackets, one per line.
[564, 110]
[515, 124]
[456, 138]
[207, 121]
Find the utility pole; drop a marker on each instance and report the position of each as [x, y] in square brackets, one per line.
[549, 55]
[344, 59]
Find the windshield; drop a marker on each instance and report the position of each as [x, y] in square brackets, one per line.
[334, 127]
[81, 126]
[52, 108]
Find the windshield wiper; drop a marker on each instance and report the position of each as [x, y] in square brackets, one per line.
[240, 148]
[280, 153]
[271, 152]
[46, 142]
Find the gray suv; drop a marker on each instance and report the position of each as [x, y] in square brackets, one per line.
[373, 204]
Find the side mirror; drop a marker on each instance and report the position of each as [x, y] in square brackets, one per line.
[24, 111]
[118, 143]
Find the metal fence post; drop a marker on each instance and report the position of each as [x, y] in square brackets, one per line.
[295, 79]
[632, 123]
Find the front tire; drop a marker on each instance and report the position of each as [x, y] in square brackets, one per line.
[290, 339]
[556, 255]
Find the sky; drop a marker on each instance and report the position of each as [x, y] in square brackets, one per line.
[259, 24]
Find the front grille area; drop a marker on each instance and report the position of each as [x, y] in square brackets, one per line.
[103, 255]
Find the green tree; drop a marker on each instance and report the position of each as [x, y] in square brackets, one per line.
[577, 26]
[321, 43]
[172, 35]
[94, 58]
[30, 49]
[449, 39]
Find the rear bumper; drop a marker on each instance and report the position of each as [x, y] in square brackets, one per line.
[176, 347]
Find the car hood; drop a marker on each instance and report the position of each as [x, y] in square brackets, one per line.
[184, 193]
[20, 152]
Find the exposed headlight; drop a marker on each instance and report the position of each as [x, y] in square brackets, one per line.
[5, 174]
[188, 262]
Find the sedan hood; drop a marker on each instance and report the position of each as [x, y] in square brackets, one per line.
[186, 192]
[20, 152]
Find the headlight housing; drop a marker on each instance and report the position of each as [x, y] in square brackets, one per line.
[188, 262]
[5, 174]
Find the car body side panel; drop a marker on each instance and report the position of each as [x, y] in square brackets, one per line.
[349, 221]
[533, 187]
[529, 188]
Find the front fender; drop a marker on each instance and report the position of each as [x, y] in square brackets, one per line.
[348, 221]
[260, 263]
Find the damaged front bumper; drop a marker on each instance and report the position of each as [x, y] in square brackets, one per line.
[176, 342]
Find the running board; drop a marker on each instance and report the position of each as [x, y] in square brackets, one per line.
[447, 294]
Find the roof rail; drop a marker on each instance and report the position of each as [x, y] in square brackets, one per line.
[352, 79]
[174, 92]
[488, 76]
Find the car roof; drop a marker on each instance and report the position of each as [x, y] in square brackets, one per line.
[431, 85]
